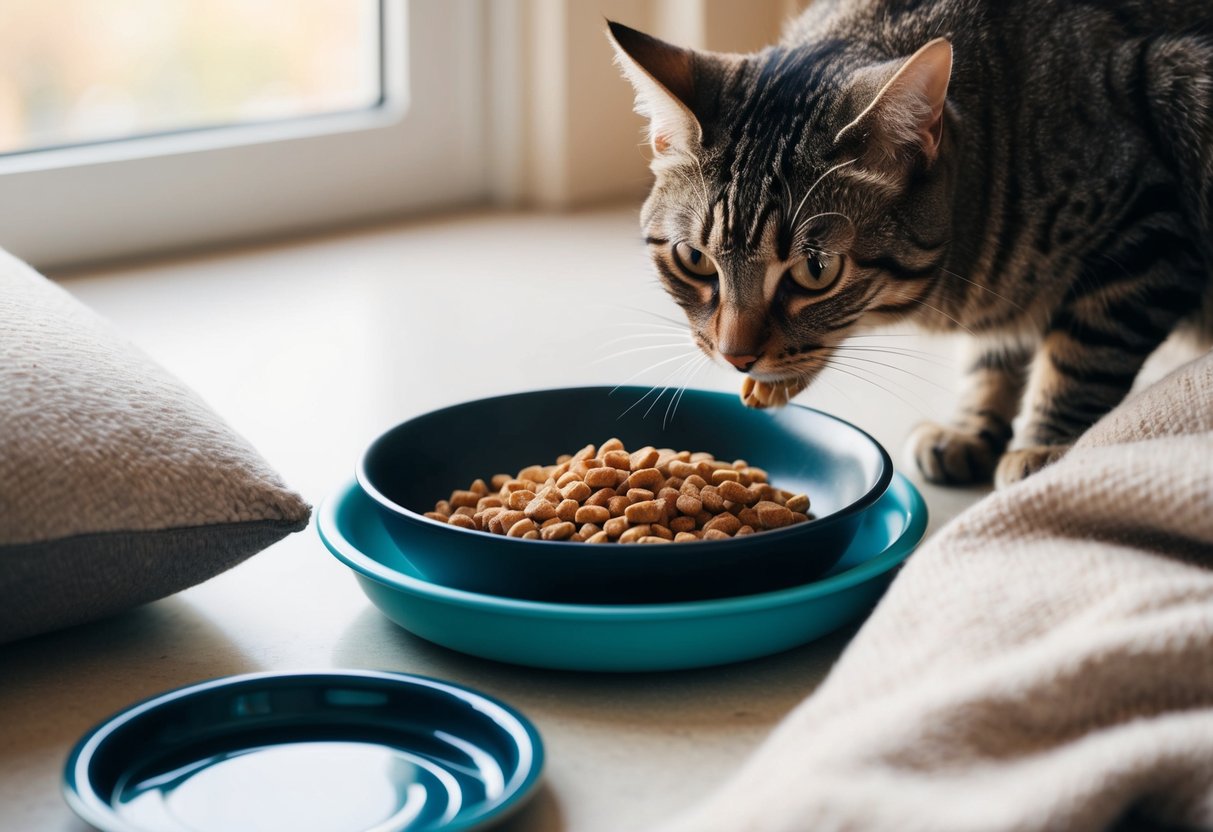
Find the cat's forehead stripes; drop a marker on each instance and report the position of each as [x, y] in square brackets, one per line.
[779, 99]
[762, 241]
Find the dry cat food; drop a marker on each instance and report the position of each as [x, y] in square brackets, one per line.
[610, 495]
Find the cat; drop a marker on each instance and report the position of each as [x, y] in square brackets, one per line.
[1036, 174]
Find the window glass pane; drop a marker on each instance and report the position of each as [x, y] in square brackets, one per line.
[76, 71]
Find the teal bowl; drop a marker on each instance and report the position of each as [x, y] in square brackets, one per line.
[616, 638]
[336, 749]
[842, 469]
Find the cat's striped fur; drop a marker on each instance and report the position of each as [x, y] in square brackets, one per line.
[1057, 205]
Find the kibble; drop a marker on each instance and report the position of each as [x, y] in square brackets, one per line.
[738, 493]
[615, 526]
[773, 515]
[648, 511]
[592, 514]
[725, 522]
[576, 490]
[558, 531]
[689, 505]
[523, 526]
[682, 523]
[607, 494]
[618, 459]
[618, 504]
[634, 533]
[600, 497]
[602, 477]
[798, 502]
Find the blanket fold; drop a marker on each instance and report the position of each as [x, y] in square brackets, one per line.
[1045, 662]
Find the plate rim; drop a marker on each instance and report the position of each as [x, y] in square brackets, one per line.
[93, 809]
[365, 566]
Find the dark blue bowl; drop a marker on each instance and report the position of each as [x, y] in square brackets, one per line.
[841, 468]
[352, 749]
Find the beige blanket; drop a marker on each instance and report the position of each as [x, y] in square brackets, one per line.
[1044, 662]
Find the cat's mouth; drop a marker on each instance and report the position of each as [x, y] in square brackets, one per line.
[760, 393]
[772, 377]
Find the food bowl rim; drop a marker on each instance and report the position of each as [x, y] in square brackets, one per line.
[772, 536]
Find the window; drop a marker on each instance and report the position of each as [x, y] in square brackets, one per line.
[80, 71]
[130, 126]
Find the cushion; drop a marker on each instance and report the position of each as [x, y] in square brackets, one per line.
[118, 485]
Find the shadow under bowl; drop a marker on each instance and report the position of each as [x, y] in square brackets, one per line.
[408, 468]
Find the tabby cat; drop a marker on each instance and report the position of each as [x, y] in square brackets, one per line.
[1035, 173]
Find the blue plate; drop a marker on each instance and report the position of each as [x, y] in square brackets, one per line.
[339, 751]
[624, 637]
[841, 468]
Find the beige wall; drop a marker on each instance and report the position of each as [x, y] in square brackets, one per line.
[564, 133]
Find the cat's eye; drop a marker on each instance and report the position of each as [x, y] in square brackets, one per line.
[817, 272]
[693, 261]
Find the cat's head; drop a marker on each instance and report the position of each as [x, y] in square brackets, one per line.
[800, 192]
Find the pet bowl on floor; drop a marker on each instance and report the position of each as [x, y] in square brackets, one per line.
[635, 637]
[346, 749]
[408, 468]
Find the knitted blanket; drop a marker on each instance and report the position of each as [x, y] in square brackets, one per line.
[1045, 662]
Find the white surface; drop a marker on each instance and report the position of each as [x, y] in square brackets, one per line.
[310, 349]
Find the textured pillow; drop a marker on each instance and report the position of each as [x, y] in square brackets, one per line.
[117, 484]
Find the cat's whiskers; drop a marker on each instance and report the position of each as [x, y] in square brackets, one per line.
[918, 300]
[884, 335]
[917, 402]
[672, 337]
[634, 350]
[841, 391]
[680, 356]
[918, 355]
[663, 383]
[945, 314]
[651, 313]
[822, 378]
[679, 370]
[921, 378]
[809, 192]
[1003, 298]
[787, 191]
[672, 409]
[707, 202]
[647, 325]
[799, 229]
[855, 372]
[690, 183]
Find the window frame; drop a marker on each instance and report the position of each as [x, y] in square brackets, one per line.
[422, 147]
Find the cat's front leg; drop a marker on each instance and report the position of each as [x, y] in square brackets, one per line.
[1084, 368]
[967, 450]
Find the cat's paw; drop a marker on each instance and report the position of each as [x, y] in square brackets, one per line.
[761, 394]
[1022, 463]
[951, 455]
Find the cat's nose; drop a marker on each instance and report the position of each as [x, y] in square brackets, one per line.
[743, 363]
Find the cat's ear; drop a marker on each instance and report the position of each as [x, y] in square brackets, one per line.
[664, 78]
[906, 110]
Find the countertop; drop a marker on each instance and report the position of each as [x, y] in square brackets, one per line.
[310, 348]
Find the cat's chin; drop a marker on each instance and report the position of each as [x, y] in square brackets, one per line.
[760, 393]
